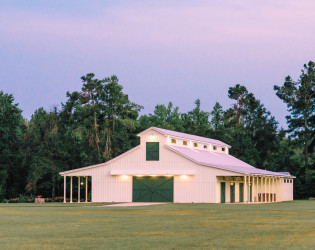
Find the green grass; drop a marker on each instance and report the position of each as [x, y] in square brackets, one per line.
[89, 226]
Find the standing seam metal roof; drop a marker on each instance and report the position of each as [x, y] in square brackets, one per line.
[222, 160]
[190, 137]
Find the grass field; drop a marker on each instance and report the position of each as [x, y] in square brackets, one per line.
[90, 226]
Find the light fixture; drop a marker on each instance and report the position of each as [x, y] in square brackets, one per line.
[81, 183]
[232, 183]
[184, 177]
[124, 177]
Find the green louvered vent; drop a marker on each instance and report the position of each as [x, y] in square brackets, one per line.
[152, 151]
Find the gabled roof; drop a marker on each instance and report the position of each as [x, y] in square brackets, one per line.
[222, 161]
[186, 136]
[99, 165]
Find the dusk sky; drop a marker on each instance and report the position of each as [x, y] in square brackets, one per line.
[161, 51]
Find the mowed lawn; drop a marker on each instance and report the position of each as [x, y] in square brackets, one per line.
[83, 226]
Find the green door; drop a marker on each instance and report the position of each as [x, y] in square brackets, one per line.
[152, 189]
[232, 192]
[241, 192]
[222, 192]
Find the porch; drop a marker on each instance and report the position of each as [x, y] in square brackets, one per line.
[250, 189]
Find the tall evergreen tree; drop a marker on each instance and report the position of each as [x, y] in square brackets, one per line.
[11, 132]
[299, 97]
[196, 121]
[162, 117]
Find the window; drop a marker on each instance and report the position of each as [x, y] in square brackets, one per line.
[285, 180]
[173, 141]
[290, 181]
[185, 143]
[223, 149]
[195, 145]
[214, 148]
[205, 146]
[152, 153]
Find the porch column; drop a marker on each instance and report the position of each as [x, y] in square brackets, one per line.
[265, 189]
[253, 189]
[86, 189]
[269, 196]
[245, 189]
[64, 189]
[281, 188]
[261, 188]
[71, 189]
[277, 189]
[79, 186]
[273, 189]
[257, 188]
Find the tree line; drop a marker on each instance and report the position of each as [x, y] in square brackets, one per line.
[100, 122]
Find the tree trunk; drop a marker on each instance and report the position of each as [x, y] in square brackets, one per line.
[97, 140]
[306, 140]
[53, 181]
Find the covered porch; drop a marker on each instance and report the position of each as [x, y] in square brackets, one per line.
[250, 188]
[82, 182]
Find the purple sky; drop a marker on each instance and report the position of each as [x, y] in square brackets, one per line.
[161, 50]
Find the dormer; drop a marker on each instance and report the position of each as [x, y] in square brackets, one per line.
[178, 139]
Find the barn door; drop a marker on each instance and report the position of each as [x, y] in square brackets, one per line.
[232, 192]
[152, 189]
[222, 192]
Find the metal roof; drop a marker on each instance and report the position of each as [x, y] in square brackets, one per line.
[187, 136]
[222, 161]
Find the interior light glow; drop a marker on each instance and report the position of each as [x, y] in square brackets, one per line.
[124, 177]
[184, 177]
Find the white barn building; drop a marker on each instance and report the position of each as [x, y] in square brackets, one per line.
[170, 166]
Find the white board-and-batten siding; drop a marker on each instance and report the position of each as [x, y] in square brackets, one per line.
[202, 186]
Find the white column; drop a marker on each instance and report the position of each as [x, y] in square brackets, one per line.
[245, 189]
[257, 188]
[79, 195]
[273, 189]
[269, 189]
[253, 188]
[261, 188]
[71, 189]
[86, 189]
[277, 189]
[271, 195]
[265, 189]
[281, 188]
[64, 189]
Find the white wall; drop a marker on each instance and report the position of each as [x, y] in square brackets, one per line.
[201, 187]
[287, 190]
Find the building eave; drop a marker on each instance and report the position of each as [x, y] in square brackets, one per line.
[98, 165]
